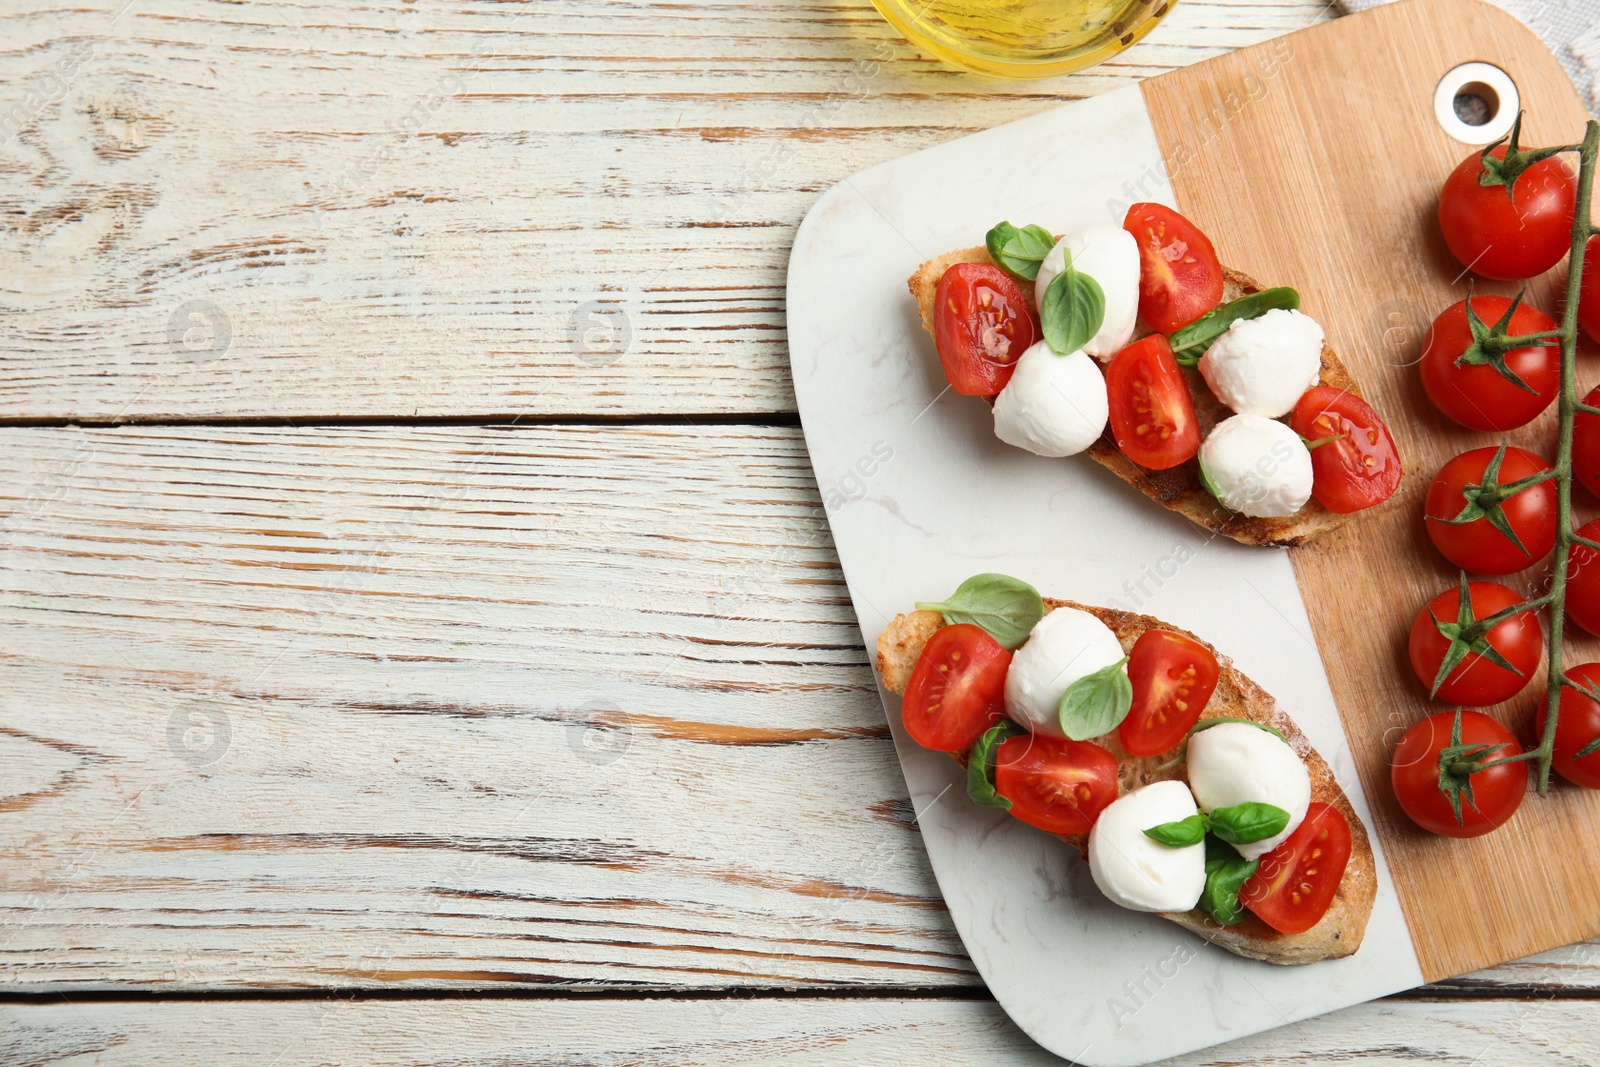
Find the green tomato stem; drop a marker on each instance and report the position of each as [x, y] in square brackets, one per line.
[1566, 536]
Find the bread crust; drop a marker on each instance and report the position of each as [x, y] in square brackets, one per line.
[1179, 488]
[1341, 929]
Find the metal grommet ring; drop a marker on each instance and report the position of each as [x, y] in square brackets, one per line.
[1476, 103]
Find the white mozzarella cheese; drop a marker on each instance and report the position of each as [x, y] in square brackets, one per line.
[1261, 366]
[1257, 466]
[1053, 405]
[1134, 870]
[1236, 763]
[1067, 644]
[1110, 256]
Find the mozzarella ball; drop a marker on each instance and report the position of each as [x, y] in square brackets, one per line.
[1257, 466]
[1261, 366]
[1053, 405]
[1110, 256]
[1236, 763]
[1067, 644]
[1134, 870]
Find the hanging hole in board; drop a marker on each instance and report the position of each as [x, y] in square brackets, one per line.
[1476, 103]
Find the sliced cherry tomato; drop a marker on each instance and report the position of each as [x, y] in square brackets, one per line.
[1583, 580]
[1589, 290]
[1296, 882]
[1477, 681]
[1480, 545]
[1477, 395]
[1577, 727]
[981, 326]
[1057, 785]
[957, 689]
[1180, 277]
[1586, 439]
[1414, 772]
[1360, 467]
[1509, 236]
[1152, 413]
[1173, 676]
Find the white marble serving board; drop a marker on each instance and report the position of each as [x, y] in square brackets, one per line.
[921, 495]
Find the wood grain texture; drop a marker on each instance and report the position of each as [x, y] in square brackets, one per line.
[471, 208]
[492, 1033]
[1354, 187]
[451, 707]
[442, 707]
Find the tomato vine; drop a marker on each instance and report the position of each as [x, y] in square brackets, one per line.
[1569, 406]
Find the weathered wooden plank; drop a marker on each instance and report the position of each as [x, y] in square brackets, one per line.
[468, 1032]
[444, 209]
[450, 707]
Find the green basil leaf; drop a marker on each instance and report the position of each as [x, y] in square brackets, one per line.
[1096, 703]
[1019, 252]
[1191, 342]
[1206, 724]
[1211, 487]
[980, 764]
[1180, 834]
[1226, 874]
[1073, 310]
[1007, 608]
[1247, 822]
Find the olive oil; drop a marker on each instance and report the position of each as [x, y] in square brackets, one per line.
[1023, 38]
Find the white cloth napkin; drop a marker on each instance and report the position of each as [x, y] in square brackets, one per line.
[1569, 28]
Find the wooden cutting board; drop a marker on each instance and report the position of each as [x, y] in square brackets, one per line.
[1312, 160]
[1328, 180]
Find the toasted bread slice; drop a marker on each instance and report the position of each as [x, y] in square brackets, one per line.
[1340, 931]
[1178, 488]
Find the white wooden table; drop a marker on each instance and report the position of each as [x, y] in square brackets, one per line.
[421, 635]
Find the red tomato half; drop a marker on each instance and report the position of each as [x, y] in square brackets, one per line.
[981, 326]
[1496, 792]
[1057, 785]
[1577, 727]
[1180, 277]
[1586, 440]
[1477, 681]
[1583, 580]
[1589, 290]
[1478, 396]
[1152, 413]
[957, 689]
[1173, 676]
[1295, 882]
[1509, 236]
[1360, 467]
[1477, 546]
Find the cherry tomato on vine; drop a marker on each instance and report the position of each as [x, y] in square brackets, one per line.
[1586, 441]
[1359, 467]
[1442, 630]
[1509, 236]
[1152, 412]
[981, 326]
[1583, 580]
[1180, 277]
[1295, 882]
[1474, 383]
[1477, 525]
[1424, 783]
[1577, 728]
[1589, 290]
[957, 689]
[1054, 784]
[1173, 676]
